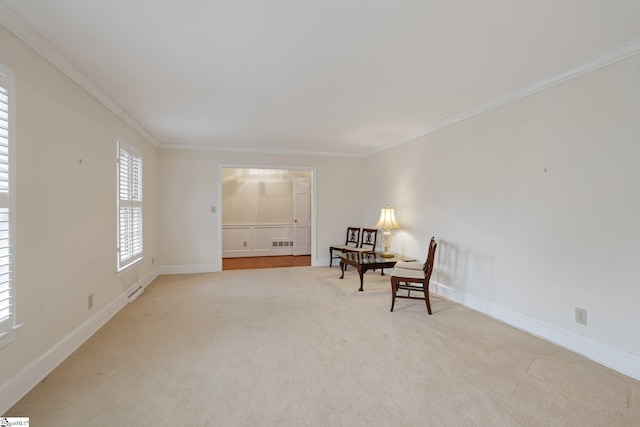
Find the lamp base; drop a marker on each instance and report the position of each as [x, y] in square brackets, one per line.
[386, 244]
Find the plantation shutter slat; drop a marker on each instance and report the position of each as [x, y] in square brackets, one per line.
[7, 320]
[130, 232]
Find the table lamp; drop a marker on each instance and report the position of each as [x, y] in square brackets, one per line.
[387, 222]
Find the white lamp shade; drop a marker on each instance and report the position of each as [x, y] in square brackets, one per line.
[387, 219]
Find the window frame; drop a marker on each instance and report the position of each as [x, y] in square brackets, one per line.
[129, 197]
[9, 324]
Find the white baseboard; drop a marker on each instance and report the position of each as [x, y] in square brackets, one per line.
[259, 252]
[324, 262]
[16, 387]
[188, 269]
[621, 361]
[12, 390]
[134, 291]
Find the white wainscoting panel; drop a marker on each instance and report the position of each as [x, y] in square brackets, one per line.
[246, 240]
[236, 239]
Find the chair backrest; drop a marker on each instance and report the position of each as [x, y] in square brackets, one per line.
[369, 237]
[428, 264]
[353, 236]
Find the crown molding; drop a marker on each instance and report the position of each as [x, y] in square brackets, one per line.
[593, 63]
[18, 26]
[203, 147]
[26, 33]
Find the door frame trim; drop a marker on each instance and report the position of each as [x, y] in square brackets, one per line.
[314, 193]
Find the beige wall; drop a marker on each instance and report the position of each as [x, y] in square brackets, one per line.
[259, 198]
[514, 238]
[189, 185]
[536, 207]
[66, 213]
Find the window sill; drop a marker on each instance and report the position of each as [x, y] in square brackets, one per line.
[7, 337]
[128, 267]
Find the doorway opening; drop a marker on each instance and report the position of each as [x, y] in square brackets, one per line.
[266, 217]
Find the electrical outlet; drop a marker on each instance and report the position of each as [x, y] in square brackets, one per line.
[244, 244]
[213, 209]
[153, 260]
[90, 301]
[581, 316]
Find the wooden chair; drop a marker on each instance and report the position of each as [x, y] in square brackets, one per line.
[413, 276]
[352, 242]
[368, 242]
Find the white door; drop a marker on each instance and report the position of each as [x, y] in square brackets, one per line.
[301, 216]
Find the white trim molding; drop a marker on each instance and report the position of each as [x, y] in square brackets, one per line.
[14, 23]
[623, 362]
[253, 150]
[9, 336]
[12, 390]
[593, 63]
[314, 195]
[321, 262]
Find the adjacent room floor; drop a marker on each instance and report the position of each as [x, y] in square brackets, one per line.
[265, 262]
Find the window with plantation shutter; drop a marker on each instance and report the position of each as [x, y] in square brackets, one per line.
[129, 205]
[7, 282]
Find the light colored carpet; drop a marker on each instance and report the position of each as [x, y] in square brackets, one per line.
[300, 347]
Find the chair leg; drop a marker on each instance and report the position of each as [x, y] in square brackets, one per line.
[394, 289]
[426, 297]
[330, 257]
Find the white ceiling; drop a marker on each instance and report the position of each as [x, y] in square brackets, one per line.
[323, 76]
